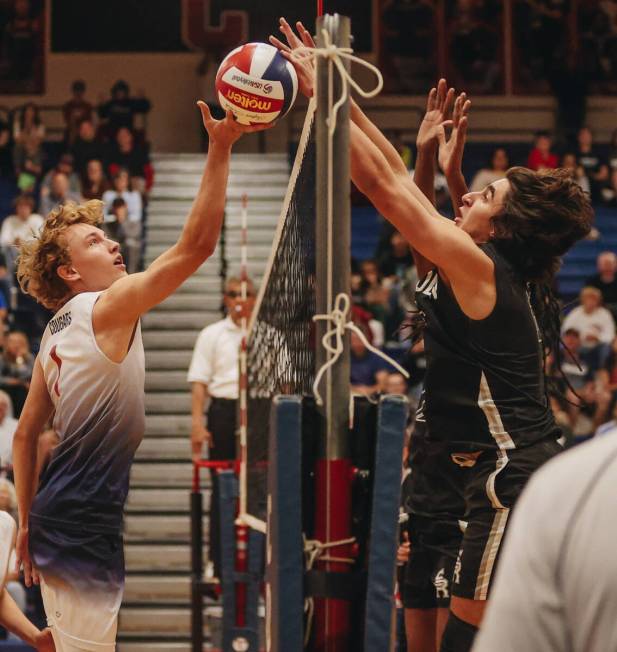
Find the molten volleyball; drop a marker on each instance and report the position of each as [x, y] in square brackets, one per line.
[257, 83]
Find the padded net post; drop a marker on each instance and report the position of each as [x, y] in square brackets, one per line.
[333, 250]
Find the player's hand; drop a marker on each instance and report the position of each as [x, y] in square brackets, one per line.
[227, 131]
[305, 67]
[23, 558]
[199, 436]
[438, 107]
[404, 550]
[451, 149]
[44, 641]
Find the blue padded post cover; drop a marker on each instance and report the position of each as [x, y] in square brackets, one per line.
[284, 557]
[391, 421]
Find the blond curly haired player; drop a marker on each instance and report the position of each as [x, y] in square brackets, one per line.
[90, 373]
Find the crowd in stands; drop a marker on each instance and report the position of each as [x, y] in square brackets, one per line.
[583, 382]
[102, 155]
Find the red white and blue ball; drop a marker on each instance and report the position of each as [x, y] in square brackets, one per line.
[257, 83]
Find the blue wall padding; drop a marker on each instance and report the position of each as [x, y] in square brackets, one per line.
[391, 421]
[285, 565]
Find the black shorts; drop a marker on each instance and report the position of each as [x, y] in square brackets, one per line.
[497, 479]
[427, 575]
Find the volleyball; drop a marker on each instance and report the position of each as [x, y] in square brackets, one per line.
[256, 83]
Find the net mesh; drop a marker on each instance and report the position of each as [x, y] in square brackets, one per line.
[280, 347]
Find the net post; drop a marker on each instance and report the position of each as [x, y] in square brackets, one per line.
[332, 246]
[332, 241]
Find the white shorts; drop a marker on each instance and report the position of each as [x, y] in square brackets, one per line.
[80, 621]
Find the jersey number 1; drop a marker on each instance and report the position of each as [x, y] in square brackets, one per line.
[58, 360]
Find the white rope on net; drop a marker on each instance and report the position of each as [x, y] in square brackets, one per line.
[313, 551]
[340, 323]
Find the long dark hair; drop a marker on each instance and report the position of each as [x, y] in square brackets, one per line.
[544, 214]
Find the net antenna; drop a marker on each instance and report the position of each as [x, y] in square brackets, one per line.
[243, 350]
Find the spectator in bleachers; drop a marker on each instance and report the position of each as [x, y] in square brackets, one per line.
[65, 166]
[20, 227]
[368, 371]
[396, 258]
[593, 410]
[606, 279]
[499, 164]
[132, 226]
[125, 153]
[8, 424]
[121, 188]
[596, 168]
[593, 321]
[16, 368]
[570, 162]
[28, 134]
[76, 110]
[577, 368]
[86, 147]
[374, 294]
[541, 157]
[121, 109]
[115, 226]
[59, 193]
[27, 126]
[94, 183]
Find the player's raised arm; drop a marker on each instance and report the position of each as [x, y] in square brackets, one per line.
[435, 237]
[133, 295]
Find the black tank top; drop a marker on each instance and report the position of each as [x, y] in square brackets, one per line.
[484, 383]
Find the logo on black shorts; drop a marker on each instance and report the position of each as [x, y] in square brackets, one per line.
[441, 584]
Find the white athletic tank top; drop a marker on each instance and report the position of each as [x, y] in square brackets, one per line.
[99, 418]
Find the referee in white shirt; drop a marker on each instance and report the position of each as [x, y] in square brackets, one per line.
[214, 376]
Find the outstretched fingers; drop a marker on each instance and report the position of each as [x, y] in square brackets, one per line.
[305, 35]
[431, 100]
[279, 45]
[206, 116]
[290, 35]
[448, 103]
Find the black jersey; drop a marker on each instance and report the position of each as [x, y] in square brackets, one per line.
[484, 383]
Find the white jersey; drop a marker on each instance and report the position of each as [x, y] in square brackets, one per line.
[99, 417]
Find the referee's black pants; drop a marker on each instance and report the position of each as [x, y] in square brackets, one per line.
[222, 417]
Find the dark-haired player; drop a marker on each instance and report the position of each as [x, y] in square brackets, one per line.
[489, 313]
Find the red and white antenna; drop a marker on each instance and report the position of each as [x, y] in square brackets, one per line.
[243, 353]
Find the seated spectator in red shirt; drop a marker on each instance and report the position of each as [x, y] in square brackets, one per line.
[86, 147]
[76, 110]
[94, 183]
[134, 158]
[120, 111]
[541, 157]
